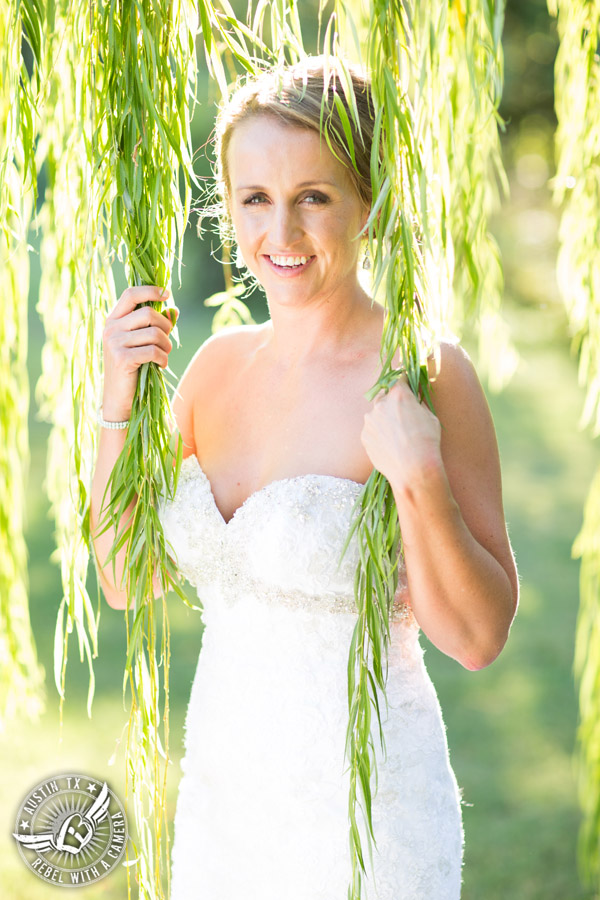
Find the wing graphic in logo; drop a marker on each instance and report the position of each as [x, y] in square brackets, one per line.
[40, 842]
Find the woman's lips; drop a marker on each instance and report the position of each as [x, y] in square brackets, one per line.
[289, 271]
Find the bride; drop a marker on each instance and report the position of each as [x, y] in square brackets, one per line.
[278, 441]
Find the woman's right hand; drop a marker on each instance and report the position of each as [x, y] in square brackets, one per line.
[133, 335]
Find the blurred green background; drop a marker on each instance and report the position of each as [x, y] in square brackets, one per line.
[511, 727]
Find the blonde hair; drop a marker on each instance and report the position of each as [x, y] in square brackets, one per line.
[294, 95]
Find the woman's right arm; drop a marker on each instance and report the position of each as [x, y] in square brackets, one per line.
[133, 335]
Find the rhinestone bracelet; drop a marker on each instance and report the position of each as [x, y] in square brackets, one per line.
[104, 424]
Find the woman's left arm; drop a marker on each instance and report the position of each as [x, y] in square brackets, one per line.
[444, 471]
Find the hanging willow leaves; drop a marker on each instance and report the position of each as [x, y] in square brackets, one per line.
[144, 69]
[577, 191]
[417, 56]
[285, 43]
[477, 178]
[21, 677]
[399, 281]
[577, 186]
[75, 285]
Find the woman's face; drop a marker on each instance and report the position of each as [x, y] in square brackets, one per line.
[295, 211]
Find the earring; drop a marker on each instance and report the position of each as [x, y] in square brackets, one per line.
[367, 259]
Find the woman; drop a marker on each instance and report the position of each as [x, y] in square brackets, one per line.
[278, 440]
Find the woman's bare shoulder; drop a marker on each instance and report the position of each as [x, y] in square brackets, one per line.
[454, 382]
[221, 348]
[469, 444]
[208, 370]
[468, 440]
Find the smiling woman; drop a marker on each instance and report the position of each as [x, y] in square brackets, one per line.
[278, 441]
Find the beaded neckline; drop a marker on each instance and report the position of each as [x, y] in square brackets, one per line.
[265, 488]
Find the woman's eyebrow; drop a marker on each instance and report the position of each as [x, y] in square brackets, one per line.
[260, 187]
[308, 183]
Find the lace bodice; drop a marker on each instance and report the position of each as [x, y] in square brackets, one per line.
[286, 540]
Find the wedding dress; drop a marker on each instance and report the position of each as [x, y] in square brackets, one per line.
[262, 811]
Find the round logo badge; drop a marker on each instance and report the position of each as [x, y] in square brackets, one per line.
[71, 830]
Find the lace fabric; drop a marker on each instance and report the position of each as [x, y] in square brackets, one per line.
[262, 811]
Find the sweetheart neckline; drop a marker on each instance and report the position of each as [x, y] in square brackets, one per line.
[287, 479]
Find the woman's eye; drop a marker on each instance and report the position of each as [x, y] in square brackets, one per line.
[311, 199]
[316, 198]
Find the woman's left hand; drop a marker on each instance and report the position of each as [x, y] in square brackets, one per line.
[400, 434]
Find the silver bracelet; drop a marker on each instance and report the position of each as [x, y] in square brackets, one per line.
[114, 425]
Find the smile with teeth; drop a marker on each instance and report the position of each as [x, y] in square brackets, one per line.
[289, 261]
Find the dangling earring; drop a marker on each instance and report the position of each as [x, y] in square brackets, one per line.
[367, 259]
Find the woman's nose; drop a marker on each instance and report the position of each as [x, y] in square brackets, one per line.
[285, 227]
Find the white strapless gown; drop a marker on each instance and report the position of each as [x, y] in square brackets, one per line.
[262, 812]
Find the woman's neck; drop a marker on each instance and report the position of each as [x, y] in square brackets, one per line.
[320, 328]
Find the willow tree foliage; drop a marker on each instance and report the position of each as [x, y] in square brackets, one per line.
[21, 678]
[118, 96]
[436, 84]
[577, 191]
[144, 69]
[478, 179]
[75, 288]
